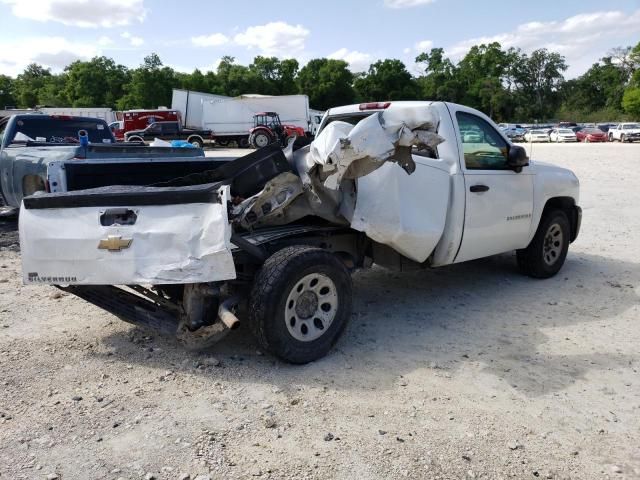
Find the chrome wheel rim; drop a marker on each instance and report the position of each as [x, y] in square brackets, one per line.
[261, 141]
[552, 247]
[311, 307]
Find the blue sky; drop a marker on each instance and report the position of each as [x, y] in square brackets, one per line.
[196, 33]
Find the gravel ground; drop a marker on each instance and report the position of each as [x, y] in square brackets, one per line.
[469, 371]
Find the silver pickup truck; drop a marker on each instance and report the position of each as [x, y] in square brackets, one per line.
[44, 153]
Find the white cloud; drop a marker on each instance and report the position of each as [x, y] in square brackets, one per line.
[582, 39]
[274, 38]
[213, 40]
[81, 13]
[105, 41]
[423, 46]
[358, 61]
[53, 52]
[133, 40]
[406, 3]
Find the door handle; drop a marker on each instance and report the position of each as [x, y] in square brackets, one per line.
[478, 188]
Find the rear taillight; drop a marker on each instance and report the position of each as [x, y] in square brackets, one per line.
[374, 105]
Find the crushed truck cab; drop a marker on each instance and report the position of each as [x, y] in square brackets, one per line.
[271, 238]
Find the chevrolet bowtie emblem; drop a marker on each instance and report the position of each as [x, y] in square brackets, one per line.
[114, 244]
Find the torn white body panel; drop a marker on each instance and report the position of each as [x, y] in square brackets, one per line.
[392, 211]
[184, 243]
[345, 151]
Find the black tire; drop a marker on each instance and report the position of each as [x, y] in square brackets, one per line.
[546, 253]
[243, 142]
[196, 142]
[222, 143]
[260, 139]
[273, 318]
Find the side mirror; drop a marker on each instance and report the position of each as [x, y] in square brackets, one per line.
[517, 158]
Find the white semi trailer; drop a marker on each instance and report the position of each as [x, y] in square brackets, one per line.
[231, 118]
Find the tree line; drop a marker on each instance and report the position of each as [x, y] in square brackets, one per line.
[507, 84]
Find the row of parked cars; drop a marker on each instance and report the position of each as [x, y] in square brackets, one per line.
[572, 132]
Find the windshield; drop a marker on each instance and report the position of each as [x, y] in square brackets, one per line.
[538, 132]
[564, 130]
[631, 125]
[59, 130]
[594, 131]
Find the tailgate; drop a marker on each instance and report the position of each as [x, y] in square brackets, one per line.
[127, 235]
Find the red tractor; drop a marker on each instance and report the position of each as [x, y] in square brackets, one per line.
[267, 129]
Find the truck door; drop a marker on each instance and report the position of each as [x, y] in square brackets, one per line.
[499, 201]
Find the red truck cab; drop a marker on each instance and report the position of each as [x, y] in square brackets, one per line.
[140, 119]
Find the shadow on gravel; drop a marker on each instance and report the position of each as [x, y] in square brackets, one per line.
[9, 230]
[440, 319]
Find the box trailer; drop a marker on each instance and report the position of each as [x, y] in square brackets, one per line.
[231, 118]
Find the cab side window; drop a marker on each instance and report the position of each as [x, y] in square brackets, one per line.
[482, 145]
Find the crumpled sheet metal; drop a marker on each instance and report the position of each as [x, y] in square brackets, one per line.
[345, 151]
[386, 205]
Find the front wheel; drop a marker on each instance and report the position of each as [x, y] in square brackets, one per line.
[546, 253]
[300, 303]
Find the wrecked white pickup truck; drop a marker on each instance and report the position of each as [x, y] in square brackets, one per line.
[273, 236]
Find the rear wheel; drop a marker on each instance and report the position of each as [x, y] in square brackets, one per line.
[196, 142]
[243, 142]
[222, 143]
[546, 253]
[300, 303]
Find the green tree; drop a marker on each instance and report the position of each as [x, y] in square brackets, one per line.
[150, 86]
[7, 97]
[100, 82]
[631, 101]
[327, 82]
[29, 83]
[53, 92]
[538, 78]
[483, 74]
[439, 81]
[386, 80]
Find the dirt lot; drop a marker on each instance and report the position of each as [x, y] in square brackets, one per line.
[470, 371]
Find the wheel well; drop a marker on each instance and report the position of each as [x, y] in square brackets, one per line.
[32, 184]
[196, 137]
[567, 205]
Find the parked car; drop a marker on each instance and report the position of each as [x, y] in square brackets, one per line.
[625, 132]
[515, 134]
[42, 153]
[536, 136]
[590, 134]
[169, 131]
[562, 135]
[298, 226]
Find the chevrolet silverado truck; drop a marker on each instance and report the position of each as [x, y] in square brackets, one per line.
[43, 153]
[625, 132]
[272, 237]
[169, 131]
